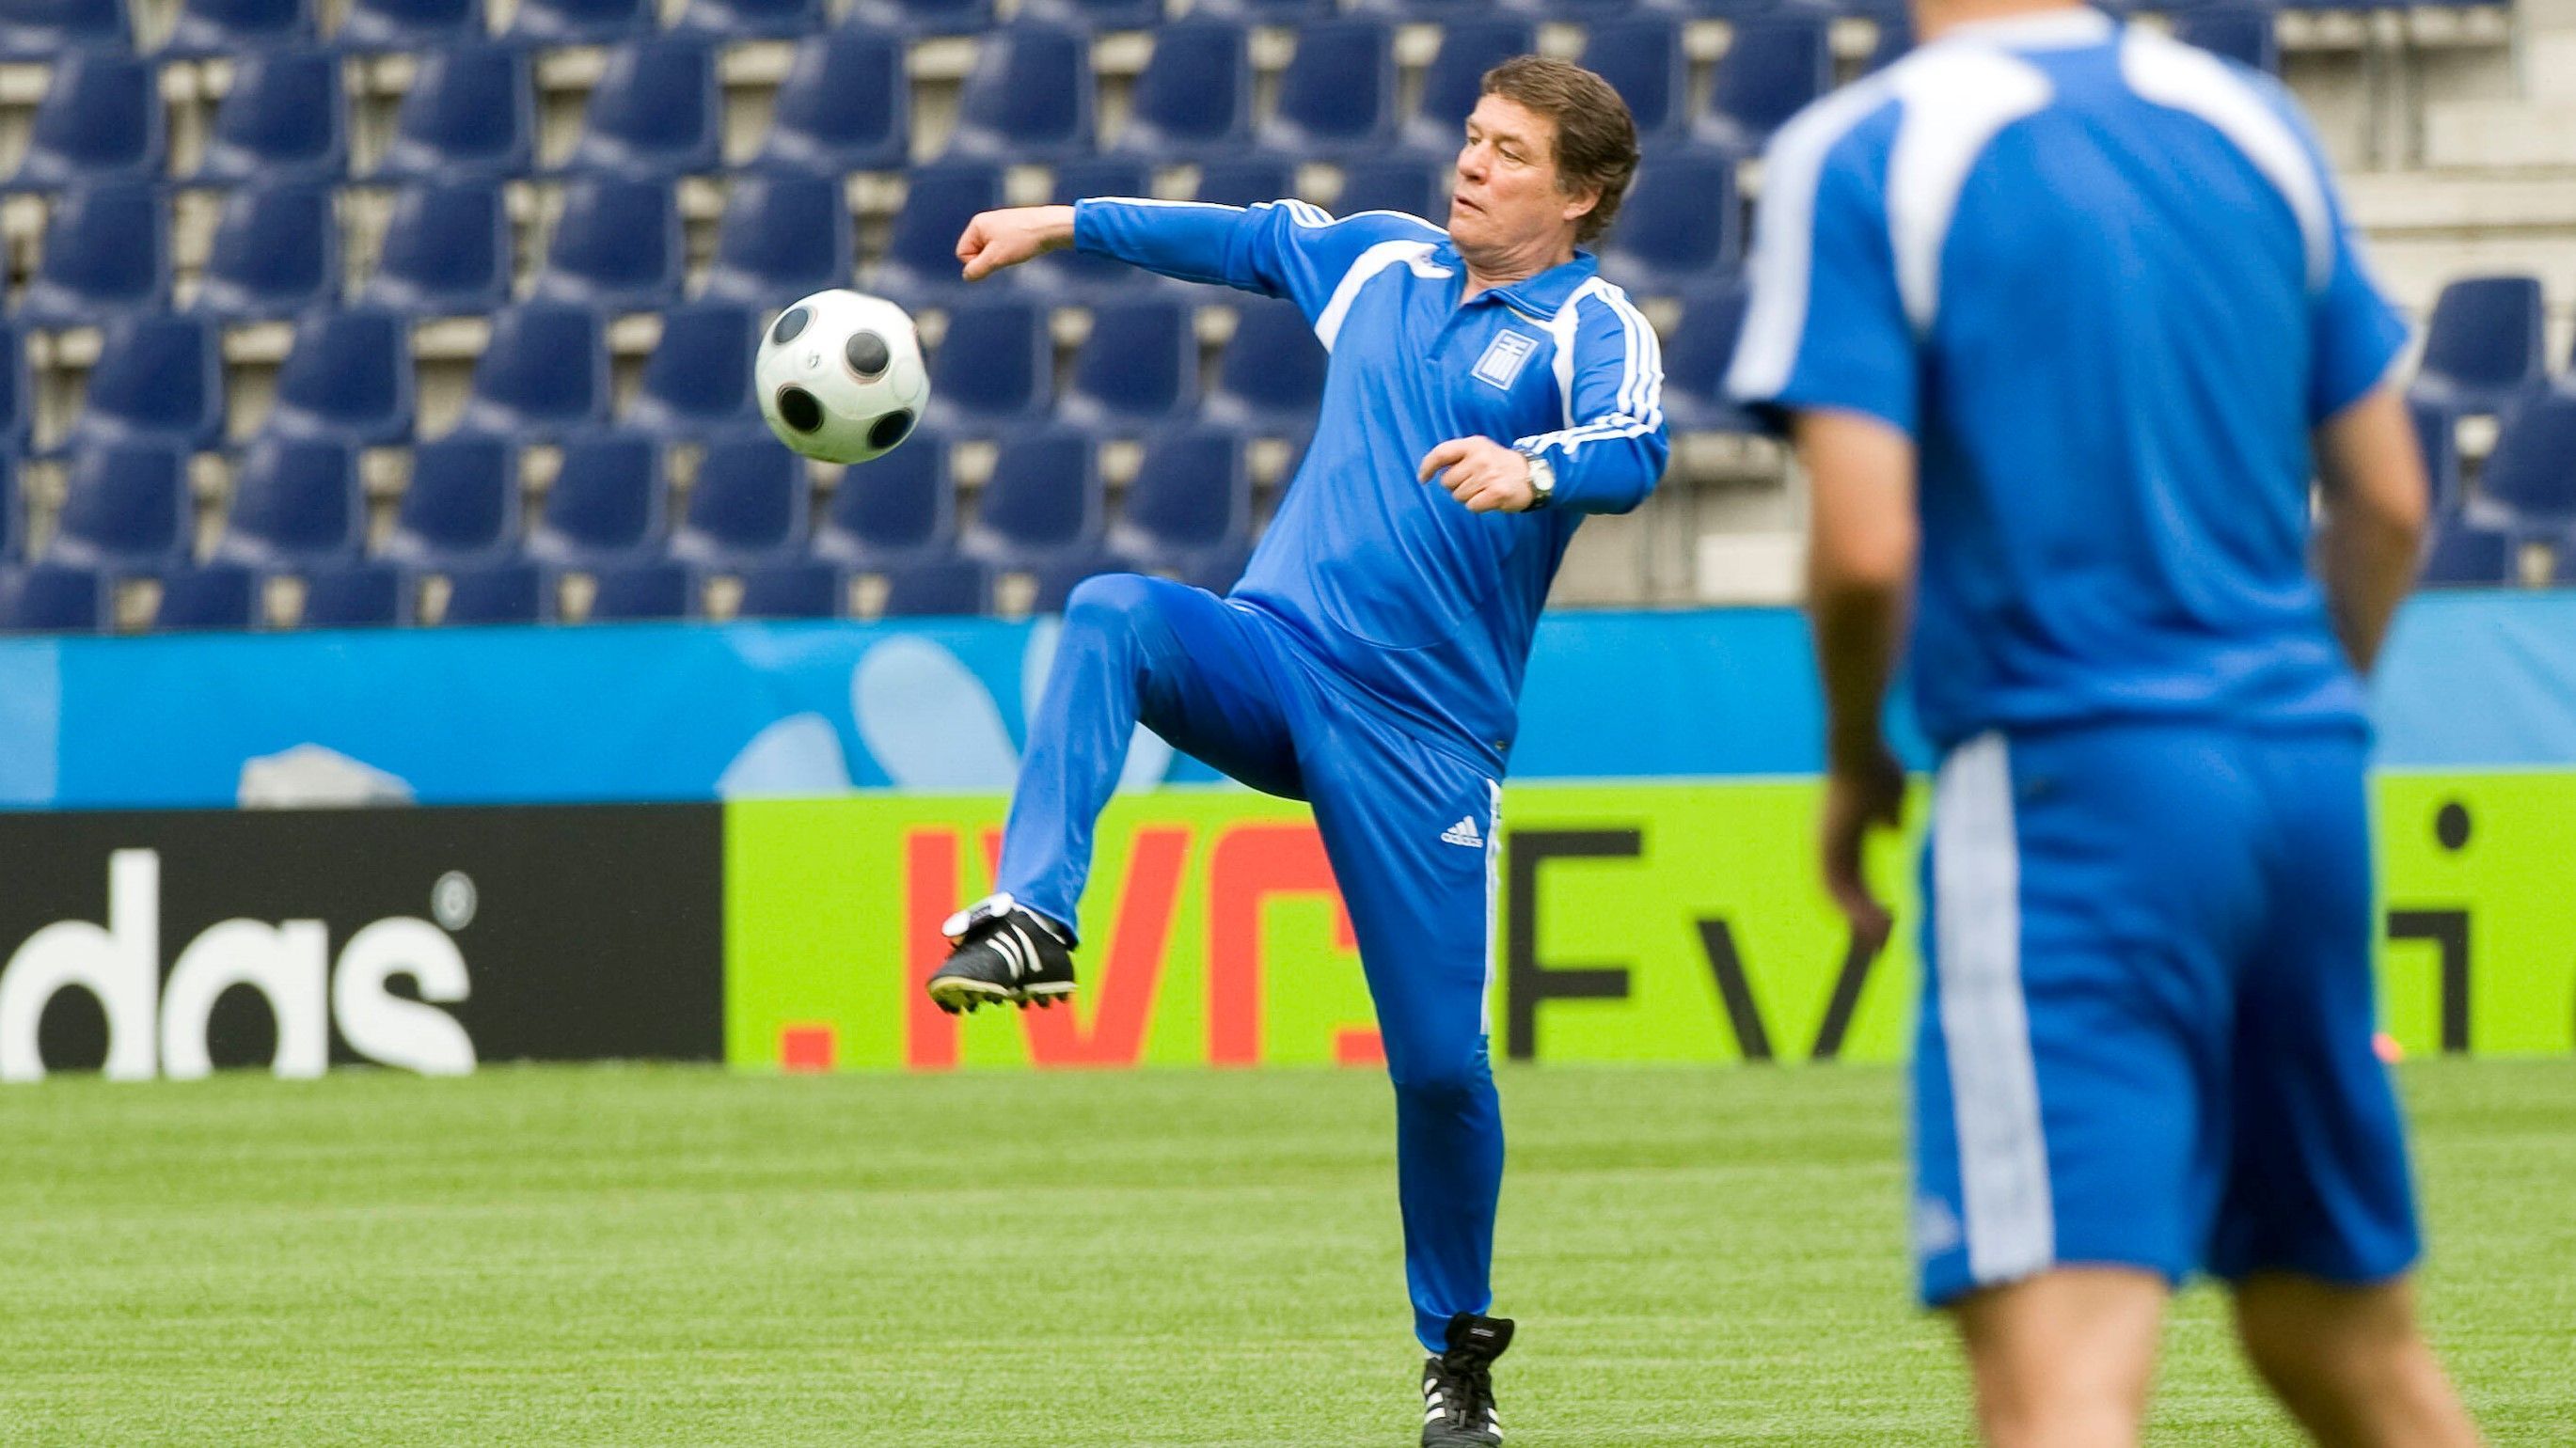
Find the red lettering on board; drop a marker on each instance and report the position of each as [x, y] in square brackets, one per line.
[1120, 988]
[1252, 863]
[930, 897]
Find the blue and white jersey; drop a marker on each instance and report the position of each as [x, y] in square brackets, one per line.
[2104, 281]
[1426, 606]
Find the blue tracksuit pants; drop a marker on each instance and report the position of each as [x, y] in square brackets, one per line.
[1412, 828]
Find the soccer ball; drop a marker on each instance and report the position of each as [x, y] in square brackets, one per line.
[840, 376]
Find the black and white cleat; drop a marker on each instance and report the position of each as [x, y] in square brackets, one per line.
[1000, 952]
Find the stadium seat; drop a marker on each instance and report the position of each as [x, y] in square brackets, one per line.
[1028, 98]
[544, 370]
[1400, 183]
[1078, 277]
[2530, 478]
[2437, 433]
[1217, 572]
[49, 29]
[1451, 86]
[1337, 96]
[16, 397]
[655, 112]
[1589, 12]
[617, 246]
[698, 379]
[295, 501]
[420, 25]
[784, 235]
[101, 120]
[938, 588]
[1680, 227]
[1641, 57]
[751, 19]
[1425, 12]
[2243, 33]
[580, 22]
[105, 252]
[1246, 180]
[650, 591]
[210, 596]
[996, 366]
[1696, 359]
[471, 114]
[354, 595]
[791, 590]
[1895, 41]
[924, 17]
[492, 593]
[1772, 68]
[2483, 348]
[348, 376]
[921, 250]
[2464, 554]
[447, 251]
[282, 120]
[1043, 500]
[1271, 377]
[12, 537]
[462, 502]
[125, 505]
[846, 105]
[276, 252]
[1055, 578]
[749, 502]
[1264, 12]
[1139, 365]
[51, 598]
[1096, 14]
[899, 506]
[159, 376]
[606, 502]
[1191, 499]
[1194, 98]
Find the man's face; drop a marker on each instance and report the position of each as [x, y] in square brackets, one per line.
[1504, 195]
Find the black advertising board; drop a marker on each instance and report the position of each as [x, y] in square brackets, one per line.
[165, 944]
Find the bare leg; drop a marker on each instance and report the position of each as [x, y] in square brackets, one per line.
[2063, 1360]
[2349, 1363]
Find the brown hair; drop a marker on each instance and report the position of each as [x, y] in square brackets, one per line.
[1596, 140]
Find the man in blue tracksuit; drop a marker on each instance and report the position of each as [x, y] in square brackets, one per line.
[1370, 660]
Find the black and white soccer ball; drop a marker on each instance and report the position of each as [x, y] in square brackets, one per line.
[840, 376]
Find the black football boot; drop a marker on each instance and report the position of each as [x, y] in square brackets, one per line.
[1458, 1385]
[1000, 952]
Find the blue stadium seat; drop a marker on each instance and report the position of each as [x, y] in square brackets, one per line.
[2483, 348]
[1096, 14]
[605, 504]
[447, 251]
[655, 112]
[790, 589]
[938, 588]
[1337, 97]
[1425, 12]
[282, 120]
[749, 502]
[1028, 98]
[1191, 499]
[1589, 12]
[616, 247]
[501, 592]
[1217, 572]
[101, 120]
[846, 105]
[1455, 80]
[462, 502]
[1895, 41]
[1681, 225]
[1642, 58]
[125, 505]
[348, 375]
[2464, 554]
[295, 501]
[581, 22]
[1044, 500]
[1139, 365]
[51, 598]
[210, 596]
[1057, 576]
[1398, 183]
[2242, 33]
[354, 595]
[1696, 359]
[698, 380]
[276, 252]
[12, 538]
[648, 591]
[15, 396]
[422, 25]
[1264, 12]
[924, 17]
[2437, 433]
[996, 366]
[1246, 180]
[1194, 98]
[545, 370]
[159, 376]
[1773, 67]
[751, 19]
[2530, 478]
[921, 250]
[899, 506]
[1271, 377]
[471, 114]
[105, 252]
[784, 235]
[1077, 276]
[47, 29]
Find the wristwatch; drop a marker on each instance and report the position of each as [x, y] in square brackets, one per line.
[1542, 479]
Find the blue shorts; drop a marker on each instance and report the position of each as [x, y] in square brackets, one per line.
[2148, 1012]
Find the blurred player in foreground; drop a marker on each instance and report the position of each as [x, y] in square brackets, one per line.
[2064, 315]
[1486, 390]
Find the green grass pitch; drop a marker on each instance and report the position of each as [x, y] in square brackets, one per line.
[682, 1256]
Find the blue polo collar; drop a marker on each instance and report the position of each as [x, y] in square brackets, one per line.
[1541, 296]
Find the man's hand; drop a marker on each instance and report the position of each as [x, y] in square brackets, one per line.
[996, 239]
[1481, 473]
[1864, 790]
